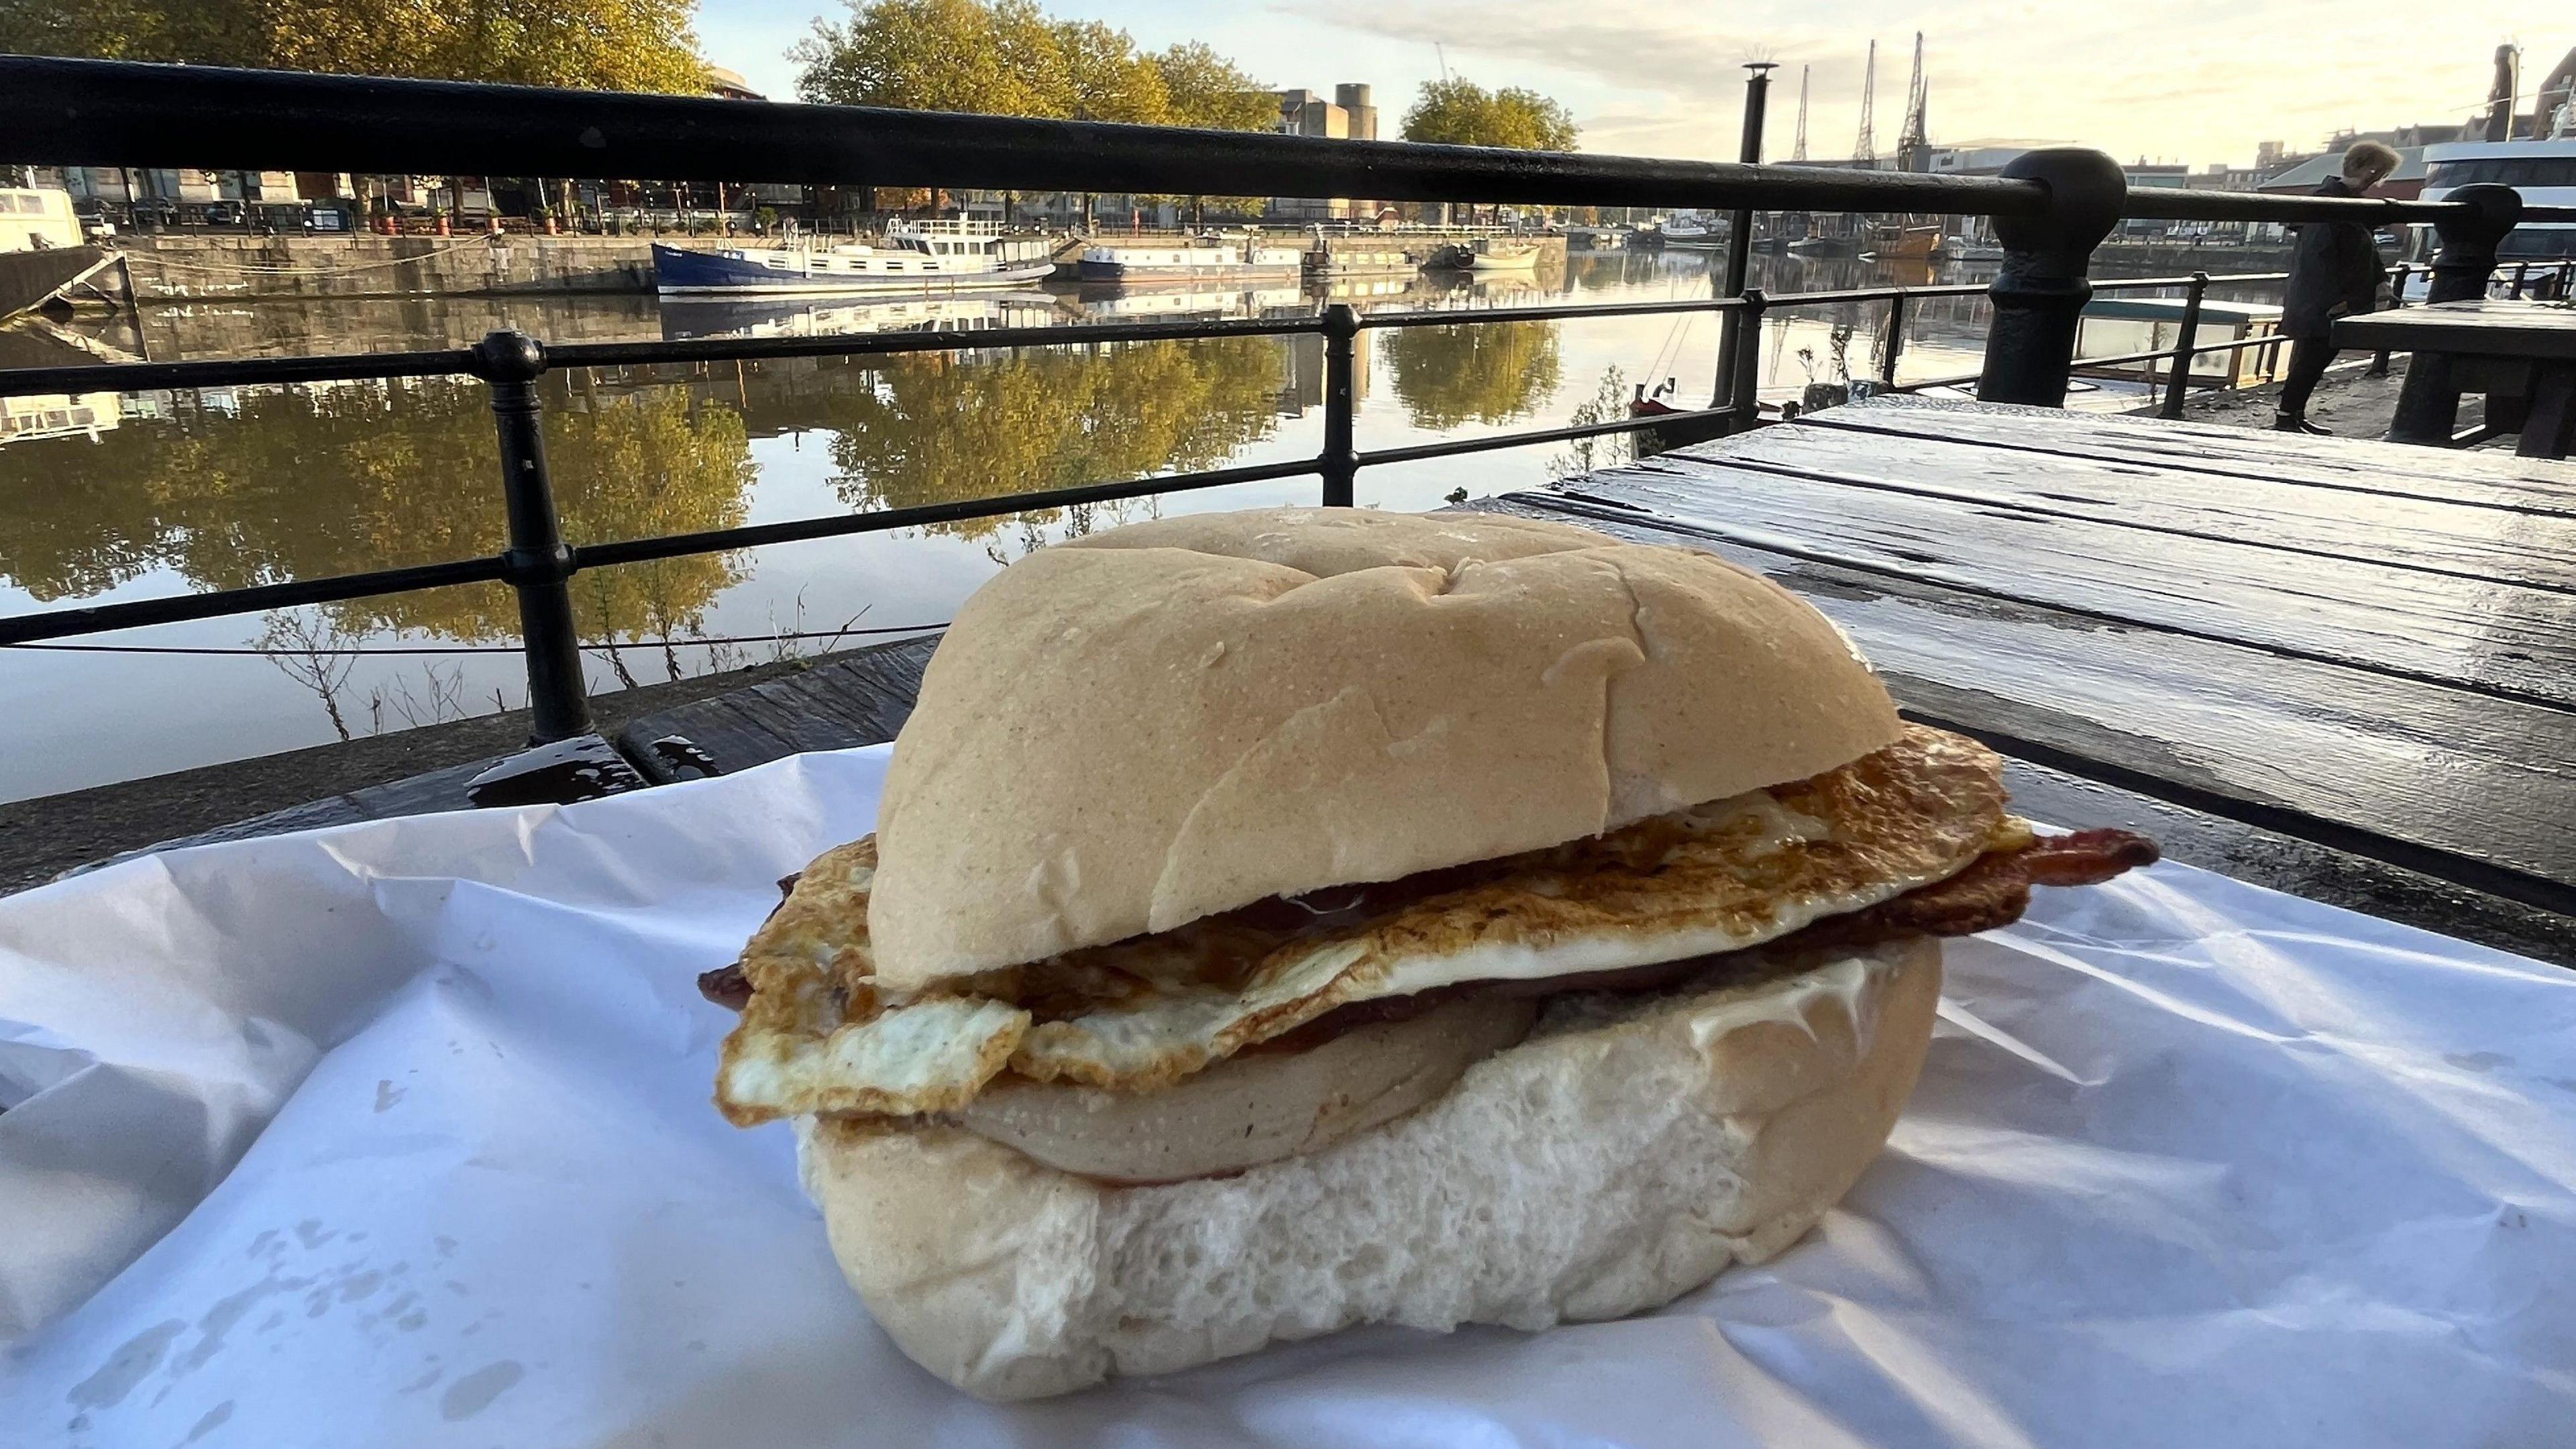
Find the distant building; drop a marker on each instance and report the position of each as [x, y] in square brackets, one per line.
[2219, 176]
[730, 85]
[1351, 115]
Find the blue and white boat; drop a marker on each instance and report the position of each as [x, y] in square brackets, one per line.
[918, 256]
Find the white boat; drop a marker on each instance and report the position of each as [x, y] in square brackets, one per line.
[1695, 229]
[2543, 170]
[918, 256]
[1184, 261]
[1495, 254]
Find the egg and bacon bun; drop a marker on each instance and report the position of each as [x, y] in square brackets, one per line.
[1290, 919]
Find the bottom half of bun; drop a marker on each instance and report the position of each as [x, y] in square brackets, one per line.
[1623, 1154]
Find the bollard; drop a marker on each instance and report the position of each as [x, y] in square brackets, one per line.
[1340, 463]
[537, 564]
[2467, 260]
[2040, 293]
[2178, 380]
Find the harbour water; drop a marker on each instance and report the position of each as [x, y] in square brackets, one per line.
[164, 492]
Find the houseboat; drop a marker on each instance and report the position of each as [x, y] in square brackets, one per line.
[1695, 229]
[918, 256]
[1191, 261]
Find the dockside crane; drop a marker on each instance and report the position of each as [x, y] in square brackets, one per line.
[1913, 149]
[1798, 149]
[1866, 148]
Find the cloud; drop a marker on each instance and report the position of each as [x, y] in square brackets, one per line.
[2197, 79]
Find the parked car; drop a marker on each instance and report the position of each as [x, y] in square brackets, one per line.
[224, 213]
[327, 218]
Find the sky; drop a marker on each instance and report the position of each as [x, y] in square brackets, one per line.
[2196, 81]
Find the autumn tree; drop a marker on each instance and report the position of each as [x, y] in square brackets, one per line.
[1009, 58]
[1459, 112]
[1212, 92]
[622, 45]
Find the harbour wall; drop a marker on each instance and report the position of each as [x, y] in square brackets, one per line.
[230, 267]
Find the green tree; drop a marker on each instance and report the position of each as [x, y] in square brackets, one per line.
[625, 45]
[1214, 93]
[1459, 112]
[1489, 372]
[1110, 80]
[937, 55]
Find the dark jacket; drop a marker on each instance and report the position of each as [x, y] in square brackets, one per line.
[2331, 263]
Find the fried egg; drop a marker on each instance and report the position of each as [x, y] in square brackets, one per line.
[1142, 1014]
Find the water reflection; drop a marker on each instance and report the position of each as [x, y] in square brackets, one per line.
[939, 427]
[233, 488]
[1489, 373]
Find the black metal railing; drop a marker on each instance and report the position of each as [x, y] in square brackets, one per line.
[2050, 209]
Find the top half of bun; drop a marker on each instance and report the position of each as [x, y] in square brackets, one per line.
[1163, 721]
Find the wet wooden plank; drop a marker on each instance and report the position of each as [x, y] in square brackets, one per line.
[859, 698]
[2354, 465]
[2488, 327]
[2409, 533]
[2455, 784]
[2505, 640]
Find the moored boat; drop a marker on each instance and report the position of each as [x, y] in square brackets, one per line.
[1693, 229]
[1193, 261]
[1327, 260]
[918, 256]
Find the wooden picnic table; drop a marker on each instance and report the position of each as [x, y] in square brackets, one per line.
[2339, 668]
[2521, 354]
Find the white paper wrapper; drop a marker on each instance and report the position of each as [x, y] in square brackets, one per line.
[398, 1134]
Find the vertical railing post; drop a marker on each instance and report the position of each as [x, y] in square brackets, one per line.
[1895, 338]
[1744, 395]
[2040, 293]
[2186, 336]
[2396, 300]
[1739, 231]
[538, 564]
[2521, 274]
[1340, 463]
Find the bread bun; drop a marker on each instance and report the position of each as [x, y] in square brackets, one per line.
[1157, 723]
[1623, 1154]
